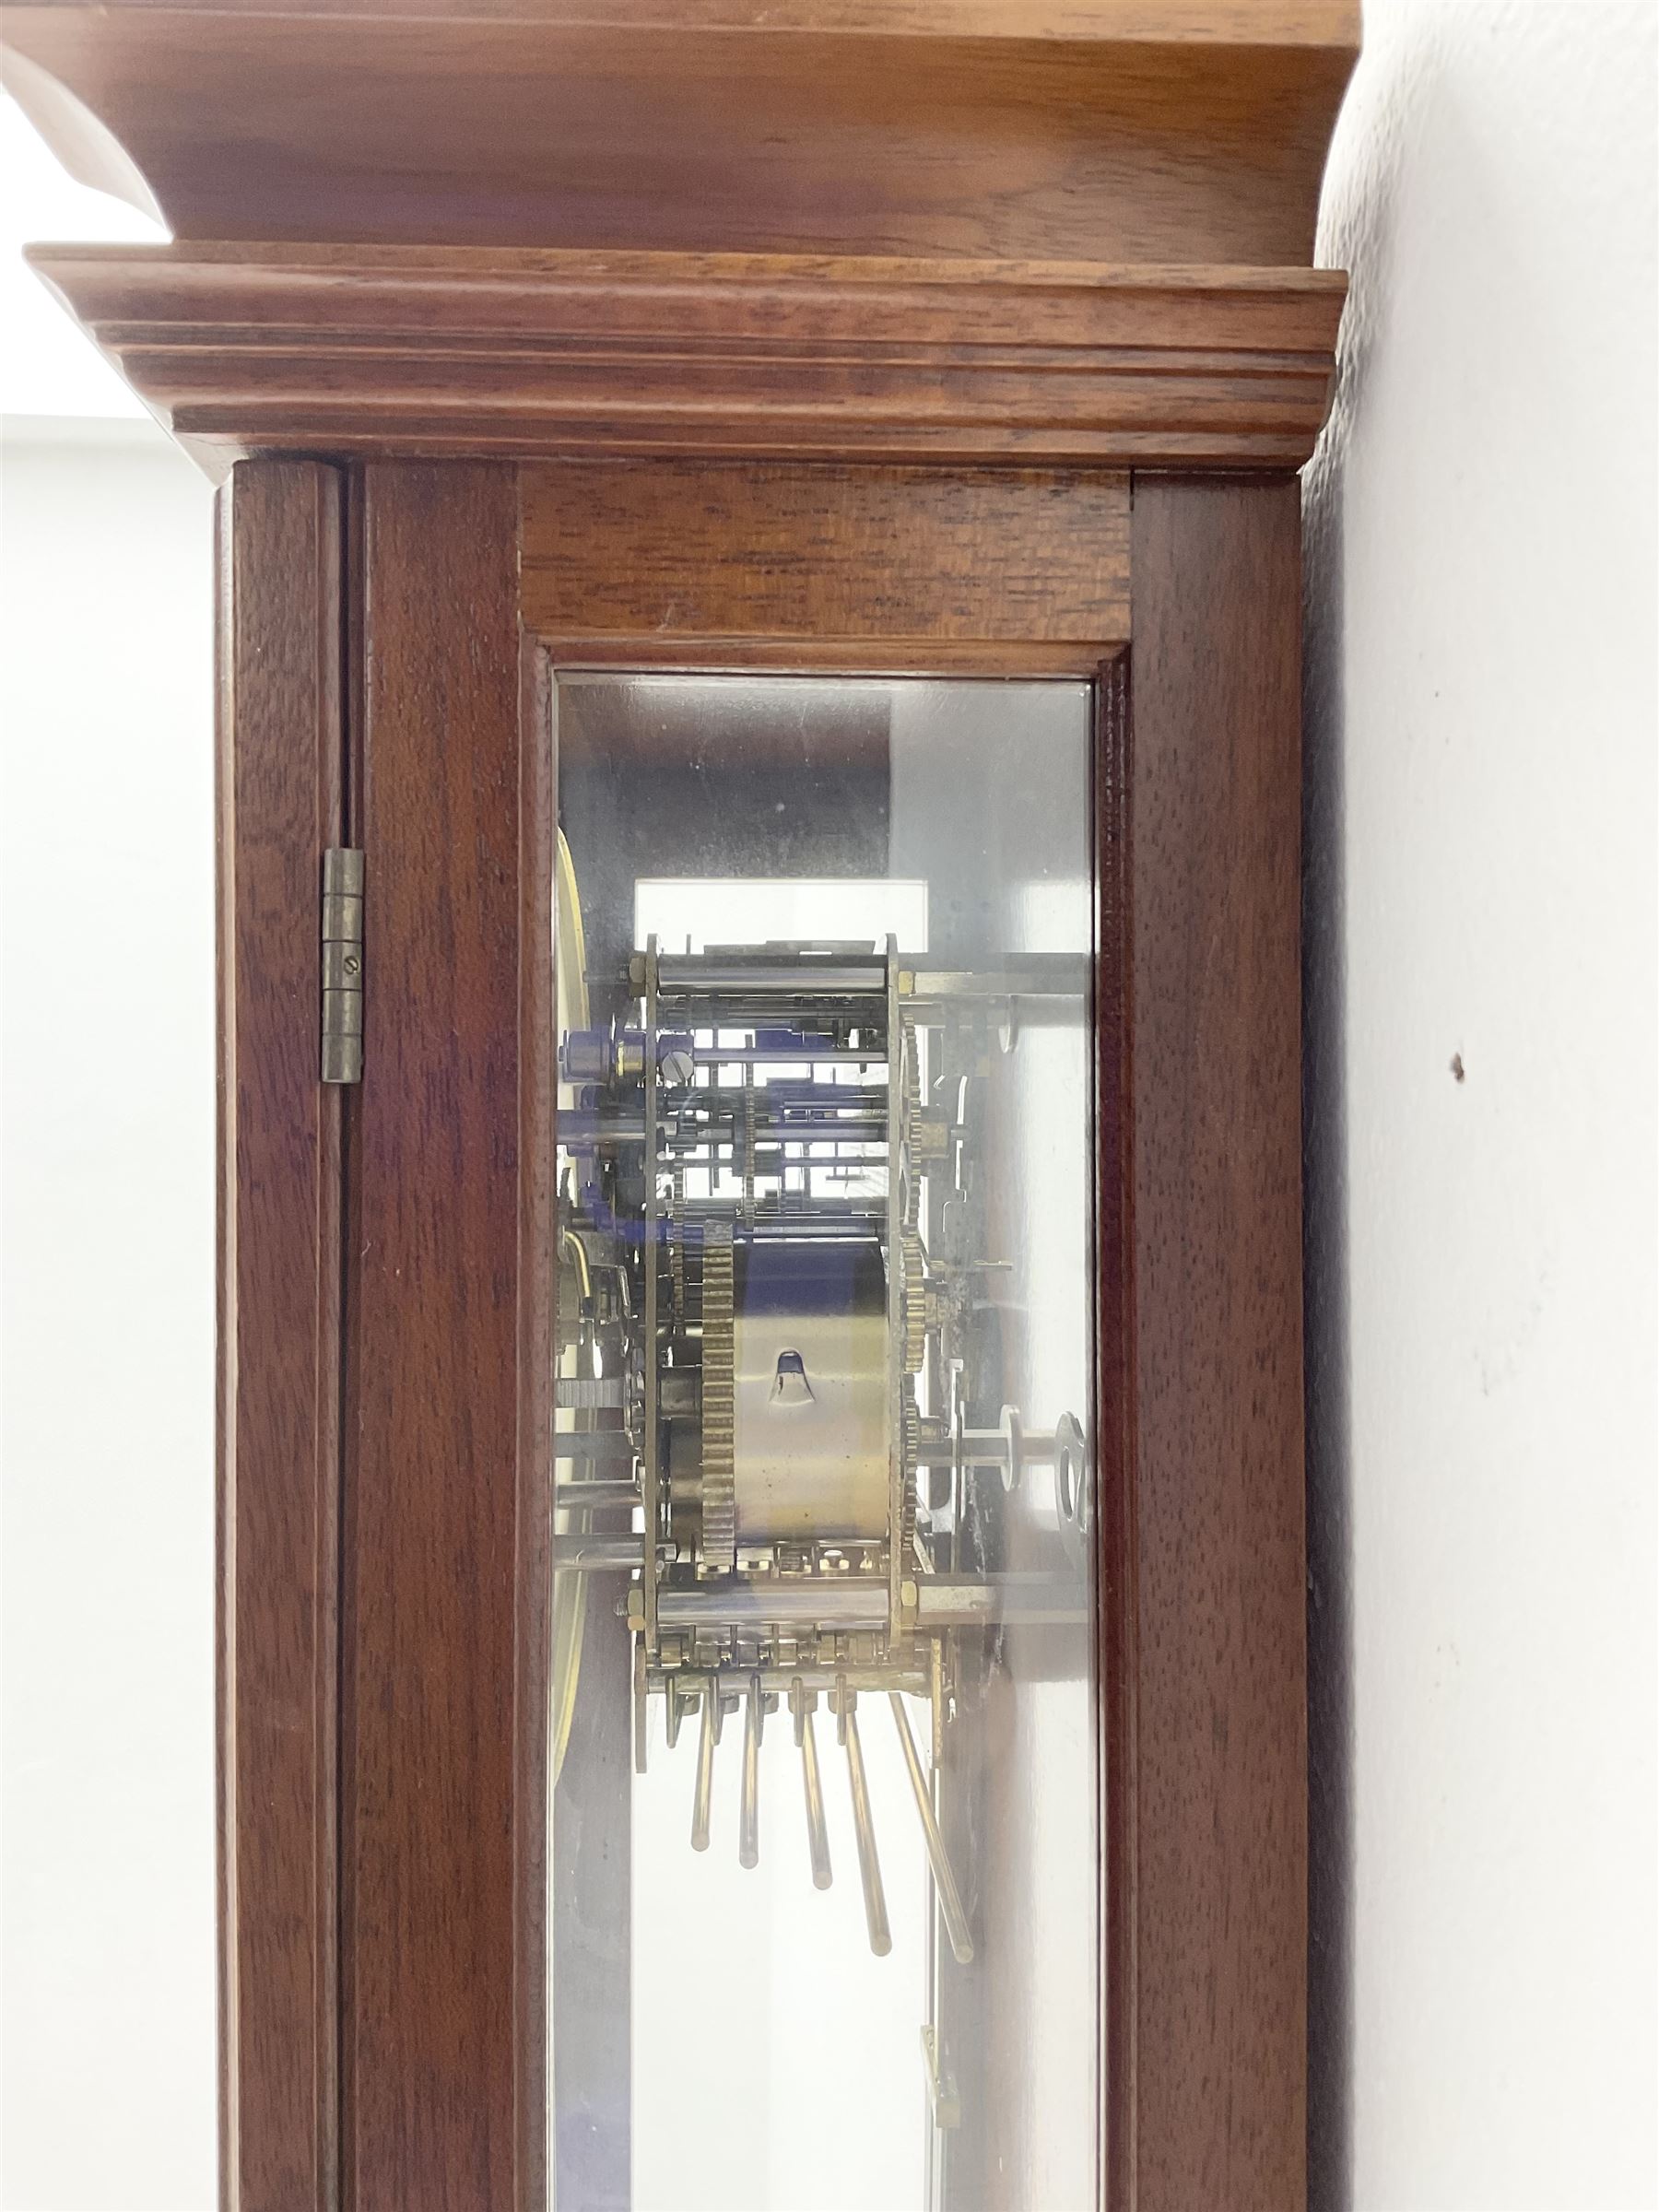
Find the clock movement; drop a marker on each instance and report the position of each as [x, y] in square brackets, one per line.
[761, 1571]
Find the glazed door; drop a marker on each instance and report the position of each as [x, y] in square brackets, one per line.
[803, 1310]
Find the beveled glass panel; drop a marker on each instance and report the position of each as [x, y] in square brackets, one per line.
[824, 1881]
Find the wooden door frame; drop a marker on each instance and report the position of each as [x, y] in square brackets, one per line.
[404, 1886]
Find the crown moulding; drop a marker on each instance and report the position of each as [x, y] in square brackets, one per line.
[449, 351]
[1045, 230]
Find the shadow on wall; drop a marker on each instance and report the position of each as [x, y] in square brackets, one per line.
[1325, 1292]
[1357, 232]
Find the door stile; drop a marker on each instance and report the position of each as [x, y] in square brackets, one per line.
[279, 799]
[1116, 1652]
[1215, 1319]
[532, 1579]
[450, 1159]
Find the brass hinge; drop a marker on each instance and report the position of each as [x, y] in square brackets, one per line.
[342, 965]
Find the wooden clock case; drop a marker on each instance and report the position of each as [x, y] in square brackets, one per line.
[972, 339]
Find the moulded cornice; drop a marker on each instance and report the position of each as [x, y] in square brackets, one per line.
[442, 351]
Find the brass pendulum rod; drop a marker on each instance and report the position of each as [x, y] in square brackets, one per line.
[869, 1867]
[950, 1899]
[818, 1834]
[705, 1771]
[749, 1825]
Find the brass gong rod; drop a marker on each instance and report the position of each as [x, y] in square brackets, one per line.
[951, 1897]
[869, 1867]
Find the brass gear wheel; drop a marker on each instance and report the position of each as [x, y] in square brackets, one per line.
[909, 1098]
[915, 1302]
[719, 1403]
[912, 1451]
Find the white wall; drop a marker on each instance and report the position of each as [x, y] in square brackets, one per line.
[1481, 891]
[107, 1289]
[46, 366]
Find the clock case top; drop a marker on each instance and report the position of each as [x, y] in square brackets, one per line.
[1062, 230]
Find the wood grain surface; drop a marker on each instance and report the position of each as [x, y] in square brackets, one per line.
[1137, 133]
[1159, 22]
[279, 785]
[446, 1306]
[1116, 1547]
[898, 566]
[537, 1365]
[1221, 1770]
[435, 350]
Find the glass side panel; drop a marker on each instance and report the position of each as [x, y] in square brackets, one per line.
[823, 1884]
